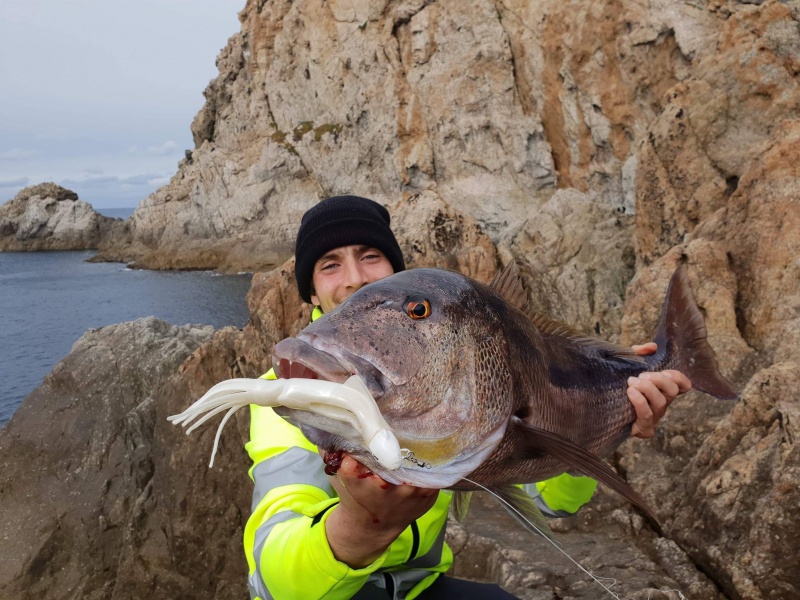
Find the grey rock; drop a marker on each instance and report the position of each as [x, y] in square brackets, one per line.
[76, 460]
[49, 217]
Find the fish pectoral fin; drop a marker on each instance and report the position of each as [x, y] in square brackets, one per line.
[533, 442]
[459, 506]
[520, 505]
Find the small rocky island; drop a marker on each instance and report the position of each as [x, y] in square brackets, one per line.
[49, 217]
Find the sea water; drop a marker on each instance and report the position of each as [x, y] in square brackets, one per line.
[49, 299]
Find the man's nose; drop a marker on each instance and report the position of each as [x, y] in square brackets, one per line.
[355, 275]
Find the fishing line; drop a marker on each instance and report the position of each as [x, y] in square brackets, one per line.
[557, 547]
[666, 591]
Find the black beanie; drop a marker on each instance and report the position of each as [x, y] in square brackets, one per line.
[342, 221]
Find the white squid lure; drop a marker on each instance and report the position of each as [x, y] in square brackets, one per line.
[349, 402]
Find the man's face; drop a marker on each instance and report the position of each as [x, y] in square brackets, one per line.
[342, 271]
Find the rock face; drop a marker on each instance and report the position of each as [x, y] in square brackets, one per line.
[496, 107]
[49, 217]
[605, 538]
[77, 461]
[726, 484]
[565, 249]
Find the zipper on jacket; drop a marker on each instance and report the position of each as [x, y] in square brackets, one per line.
[414, 540]
[389, 580]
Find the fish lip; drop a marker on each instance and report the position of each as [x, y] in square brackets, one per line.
[355, 365]
[291, 359]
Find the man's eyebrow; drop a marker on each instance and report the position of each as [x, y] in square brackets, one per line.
[336, 252]
[333, 254]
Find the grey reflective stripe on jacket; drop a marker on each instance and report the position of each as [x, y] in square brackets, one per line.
[402, 582]
[540, 503]
[255, 582]
[294, 466]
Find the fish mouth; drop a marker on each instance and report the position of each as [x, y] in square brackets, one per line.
[309, 357]
[313, 358]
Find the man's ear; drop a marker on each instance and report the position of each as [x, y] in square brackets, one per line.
[314, 298]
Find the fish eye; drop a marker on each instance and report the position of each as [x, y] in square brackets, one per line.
[418, 308]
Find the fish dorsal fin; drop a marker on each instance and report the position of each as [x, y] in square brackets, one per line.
[550, 328]
[547, 326]
[508, 284]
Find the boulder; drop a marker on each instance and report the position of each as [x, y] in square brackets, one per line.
[77, 462]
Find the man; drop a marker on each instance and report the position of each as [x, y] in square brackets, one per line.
[352, 535]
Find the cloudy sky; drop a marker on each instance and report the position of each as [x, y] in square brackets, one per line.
[99, 95]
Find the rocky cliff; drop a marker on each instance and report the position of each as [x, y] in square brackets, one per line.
[49, 217]
[496, 107]
[596, 143]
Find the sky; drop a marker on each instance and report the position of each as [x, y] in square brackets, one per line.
[99, 95]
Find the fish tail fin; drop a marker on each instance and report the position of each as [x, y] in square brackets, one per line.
[682, 340]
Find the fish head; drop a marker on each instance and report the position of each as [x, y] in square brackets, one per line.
[429, 346]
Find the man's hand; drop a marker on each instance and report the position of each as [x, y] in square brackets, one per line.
[371, 513]
[652, 392]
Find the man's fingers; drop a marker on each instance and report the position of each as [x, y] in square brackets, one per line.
[655, 399]
[353, 471]
[681, 380]
[354, 476]
[659, 388]
[643, 426]
[652, 392]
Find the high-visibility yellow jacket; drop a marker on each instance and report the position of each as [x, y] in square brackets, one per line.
[285, 543]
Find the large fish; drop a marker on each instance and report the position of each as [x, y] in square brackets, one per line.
[480, 391]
